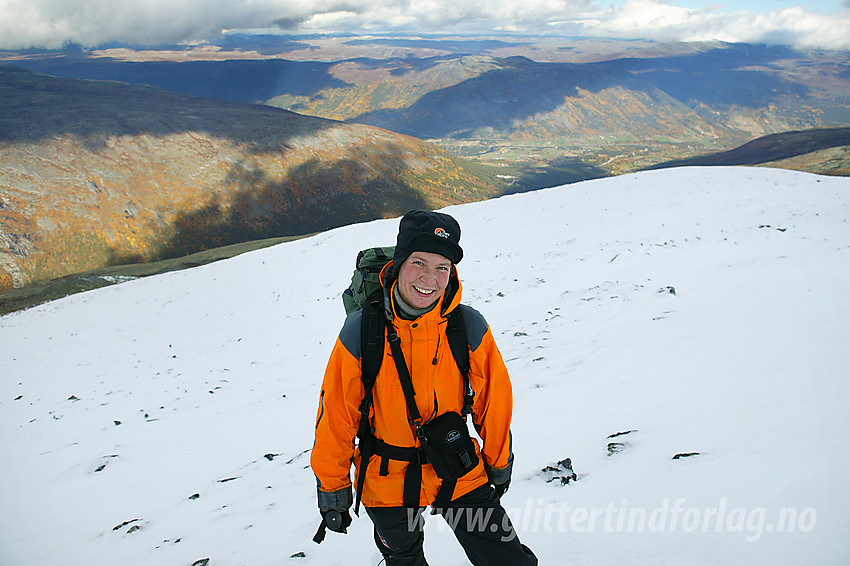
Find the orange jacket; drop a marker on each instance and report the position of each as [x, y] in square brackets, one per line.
[439, 389]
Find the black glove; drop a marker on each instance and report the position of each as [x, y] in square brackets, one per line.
[334, 506]
[500, 478]
[501, 488]
[337, 521]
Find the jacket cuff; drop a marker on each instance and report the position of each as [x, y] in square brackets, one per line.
[339, 500]
[498, 476]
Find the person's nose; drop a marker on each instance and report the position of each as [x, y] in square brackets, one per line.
[429, 275]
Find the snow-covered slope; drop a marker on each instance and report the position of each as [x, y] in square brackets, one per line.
[169, 419]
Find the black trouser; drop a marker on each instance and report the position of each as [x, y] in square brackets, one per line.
[478, 520]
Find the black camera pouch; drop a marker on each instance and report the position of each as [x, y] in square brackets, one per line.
[448, 446]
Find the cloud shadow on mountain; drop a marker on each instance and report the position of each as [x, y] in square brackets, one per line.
[316, 196]
[522, 88]
[735, 75]
[35, 107]
[239, 80]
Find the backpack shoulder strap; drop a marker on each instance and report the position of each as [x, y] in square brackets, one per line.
[459, 345]
[372, 326]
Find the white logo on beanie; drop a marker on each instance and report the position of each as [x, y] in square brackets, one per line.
[441, 233]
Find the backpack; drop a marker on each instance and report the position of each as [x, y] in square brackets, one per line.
[366, 293]
[365, 282]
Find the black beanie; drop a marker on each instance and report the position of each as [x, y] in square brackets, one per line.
[426, 231]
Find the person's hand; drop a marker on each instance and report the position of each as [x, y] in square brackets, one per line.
[334, 505]
[336, 520]
[501, 488]
[500, 477]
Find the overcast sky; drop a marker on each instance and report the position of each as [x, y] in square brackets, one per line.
[53, 23]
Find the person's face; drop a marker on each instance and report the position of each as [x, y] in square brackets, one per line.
[422, 278]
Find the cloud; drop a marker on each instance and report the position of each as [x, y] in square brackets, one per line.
[54, 23]
[657, 20]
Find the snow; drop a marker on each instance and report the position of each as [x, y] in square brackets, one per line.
[704, 309]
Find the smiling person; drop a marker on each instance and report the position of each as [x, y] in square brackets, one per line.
[437, 365]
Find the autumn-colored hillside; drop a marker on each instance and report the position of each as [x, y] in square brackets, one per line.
[823, 151]
[559, 109]
[95, 173]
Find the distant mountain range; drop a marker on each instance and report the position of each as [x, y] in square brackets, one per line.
[95, 173]
[261, 136]
[575, 108]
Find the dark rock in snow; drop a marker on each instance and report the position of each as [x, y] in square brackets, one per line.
[302, 453]
[201, 562]
[681, 455]
[124, 524]
[616, 434]
[616, 447]
[562, 471]
[619, 446]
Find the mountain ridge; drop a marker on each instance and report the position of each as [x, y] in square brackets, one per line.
[614, 105]
[778, 149]
[95, 173]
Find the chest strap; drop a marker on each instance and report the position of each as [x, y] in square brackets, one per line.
[414, 456]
